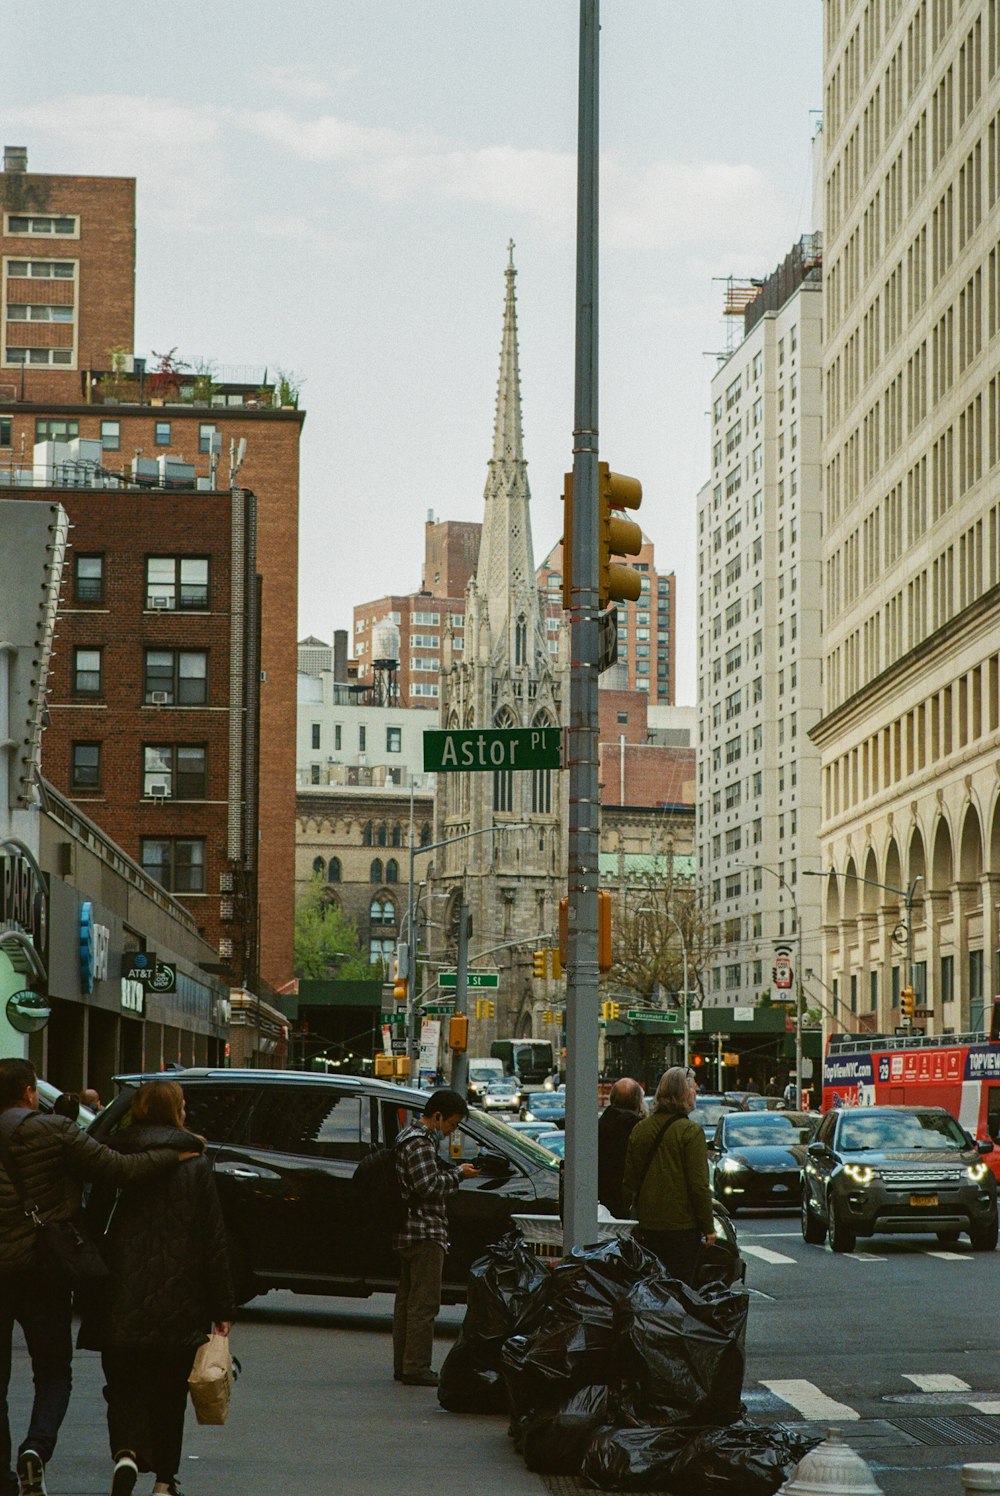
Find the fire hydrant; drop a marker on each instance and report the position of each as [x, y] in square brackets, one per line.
[833, 1467]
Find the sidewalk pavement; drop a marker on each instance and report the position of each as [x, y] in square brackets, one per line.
[316, 1410]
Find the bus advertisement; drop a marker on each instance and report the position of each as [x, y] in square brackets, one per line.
[959, 1072]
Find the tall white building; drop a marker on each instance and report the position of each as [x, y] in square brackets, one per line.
[759, 619]
[909, 739]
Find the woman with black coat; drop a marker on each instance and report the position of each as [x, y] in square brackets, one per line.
[170, 1283]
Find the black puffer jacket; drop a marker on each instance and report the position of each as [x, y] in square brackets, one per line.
[166, 1246]
[54, 1158]
[613, 1132]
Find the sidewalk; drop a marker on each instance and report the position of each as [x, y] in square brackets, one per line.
[315, 1410]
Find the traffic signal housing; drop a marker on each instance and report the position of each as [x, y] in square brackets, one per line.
[604, 929]
[616, 536]
[540, 965]
[906, 1003]
[400, 986]
[567, 541]
[458, 1033]
[485, 1007]
[610, 1011]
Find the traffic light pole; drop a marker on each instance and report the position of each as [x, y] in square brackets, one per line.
[460, 1058]
[582, 1031]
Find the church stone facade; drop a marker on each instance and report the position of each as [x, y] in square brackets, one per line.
[505, 676]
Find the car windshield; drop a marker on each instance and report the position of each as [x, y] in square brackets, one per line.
[544, 1101]
[710, 1112]
[765, 1129]
[503, 1087]
[508, 1140]
[899, 1132]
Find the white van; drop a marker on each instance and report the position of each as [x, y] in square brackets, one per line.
[481, 1072]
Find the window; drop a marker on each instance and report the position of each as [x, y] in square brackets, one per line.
[16, 355]
[6, 431]
[177, 582]
[319, 867]
[163, 436]
[315, 734]
[434, 619]
[86, 766]
[362, 738]
[111, 436]
[394, 740]
[375, 871]
[179, 768]
[333, 870]
[382, 912]
[88, 579]
[41, 269]
[206, 434]
[314, 773]
[176, 677]
[178, 862]
[36, 312]
[87, 672]
[392, 871]
[337, 738]
[309, 1120]
[425, 641]
[64, 225]
[56, 431]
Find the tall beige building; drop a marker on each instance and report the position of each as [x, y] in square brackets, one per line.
[911, 459]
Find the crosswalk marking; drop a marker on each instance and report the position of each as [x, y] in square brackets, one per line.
[987, 1407]
[764, 1253]
[948, 1256]
[933, 1381]
[867, 1257]
[810, 1401]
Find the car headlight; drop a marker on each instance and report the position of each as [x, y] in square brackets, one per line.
[732, 1165]
[860, 1173]
[976, 1172]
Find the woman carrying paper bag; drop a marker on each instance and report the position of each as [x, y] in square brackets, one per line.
[166, 1246]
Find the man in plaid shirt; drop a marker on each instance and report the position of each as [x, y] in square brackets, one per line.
[425, 1183]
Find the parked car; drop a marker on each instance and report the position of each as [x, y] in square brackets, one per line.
[284, 1146]
[708, 1111]
[545, 1106]
[47, 1095]
[756, 1158]
[897, 1169]
[502, 1096]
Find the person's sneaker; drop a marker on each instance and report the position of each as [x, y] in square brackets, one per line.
[31, 1474]
[420, 1379]
[125, 1476]
[167, 1488]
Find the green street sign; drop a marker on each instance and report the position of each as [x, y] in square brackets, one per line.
[460, 752]
[394, 1020]
[652, 1015]
[438, 1010]
[476, 979]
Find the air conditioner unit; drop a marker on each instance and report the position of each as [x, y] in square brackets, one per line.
[159, 698]
[159, 602]
[158, 790]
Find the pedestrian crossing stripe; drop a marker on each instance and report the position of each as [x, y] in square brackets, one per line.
[765, 1254]
[936, 1382]
[816, 1406]
[808, 1400]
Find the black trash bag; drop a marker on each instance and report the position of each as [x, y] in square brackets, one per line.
[555, 1443]
[502, 1296]
[465, 1387]
[680, 1353]
[742, 1460]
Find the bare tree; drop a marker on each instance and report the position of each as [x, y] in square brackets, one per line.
[647, 952]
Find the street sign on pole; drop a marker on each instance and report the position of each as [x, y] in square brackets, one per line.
[653, 1015]
[464, 752]
[476, 979]
[438, 1010]
[607, 640]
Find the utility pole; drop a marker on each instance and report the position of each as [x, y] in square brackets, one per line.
[460, 1058]
[582, 1031]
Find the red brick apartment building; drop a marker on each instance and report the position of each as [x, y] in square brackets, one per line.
[68, 374]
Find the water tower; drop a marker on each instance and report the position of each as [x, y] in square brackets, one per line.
[385, 664]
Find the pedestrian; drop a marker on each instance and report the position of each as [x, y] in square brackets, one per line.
[425, 1182]
[52, 1156]
[791, 1092]
[67, 1105]
[626, 1108]
[752, 1087]
[170, 1283]
[90, 1098]
[771, 1089]
[666, 1178]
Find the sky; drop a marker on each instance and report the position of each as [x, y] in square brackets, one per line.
[328, 187]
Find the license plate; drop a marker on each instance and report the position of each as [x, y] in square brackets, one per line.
[923, 1199]
[778, 1187]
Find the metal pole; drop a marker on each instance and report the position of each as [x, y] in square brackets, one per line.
[582, 1031]
[412, 1047]
[460, 1059]
[798, 1003]
[684, 952]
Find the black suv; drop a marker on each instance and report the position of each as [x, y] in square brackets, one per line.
[285, 1146]
[897, 1169]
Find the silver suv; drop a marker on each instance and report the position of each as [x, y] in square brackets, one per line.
[897, 1169]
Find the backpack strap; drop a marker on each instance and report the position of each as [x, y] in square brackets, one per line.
[676, 1117]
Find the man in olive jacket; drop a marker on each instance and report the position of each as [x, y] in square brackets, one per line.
[53, 1157]
[666, 1178]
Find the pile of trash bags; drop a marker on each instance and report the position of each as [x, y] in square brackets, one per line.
[613, 1370]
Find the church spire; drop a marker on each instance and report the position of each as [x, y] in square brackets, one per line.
[506, 570]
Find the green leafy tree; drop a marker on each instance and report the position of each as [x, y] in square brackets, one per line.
[326, 941]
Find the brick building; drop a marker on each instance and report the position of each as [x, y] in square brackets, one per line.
[69, 242]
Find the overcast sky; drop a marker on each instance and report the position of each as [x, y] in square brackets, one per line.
[329, 187]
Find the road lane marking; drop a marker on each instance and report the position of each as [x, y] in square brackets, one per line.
[765, 1254]
[807, 1399]
[986, 1407]
[936, 1381]
[865, 1257]
[948, 1256]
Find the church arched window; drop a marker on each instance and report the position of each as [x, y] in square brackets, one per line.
[503, 779]
[541, 791]
[397, 835]
[392, 871]
[333, 871]
[375, 871]
[425, 834]
[366, 835]
[319, 867]
[520, 641]
[382, 838]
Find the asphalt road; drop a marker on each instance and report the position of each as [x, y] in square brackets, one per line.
[875, 1343]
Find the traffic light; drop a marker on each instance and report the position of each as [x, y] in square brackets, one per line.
[540, 965]
[614, 1010]
[567, 541]
[556, 964]
[564, 929]
[485, 1007]
[548, 1016]
[616, 536]
[606, 1010]
[906, 1003]
[400, 986]
[603, 930]
[458, 1033]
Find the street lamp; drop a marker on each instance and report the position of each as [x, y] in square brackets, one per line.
[763, 867]
[906, 894]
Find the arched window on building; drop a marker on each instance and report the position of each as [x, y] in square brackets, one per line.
[392, 871]
[382, 838]
[366, 835]
[382, 911]
[503, 779]
[425, 832]
[319, 867]
[375, 871]
[520, 641]
[397, 835]
[541, 791]
[333, 871]
[381, 949]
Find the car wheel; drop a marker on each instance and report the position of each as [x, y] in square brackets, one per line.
[948, 1238]
[985, 1238]
[813, 1229]
[842, 1239]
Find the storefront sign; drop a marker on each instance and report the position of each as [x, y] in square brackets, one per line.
[95, 944]
[133, 997]
[139, 966]
[24, 900]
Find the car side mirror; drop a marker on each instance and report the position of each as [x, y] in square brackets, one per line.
[493, 1165]
[817, 1150]
[985, 1146]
